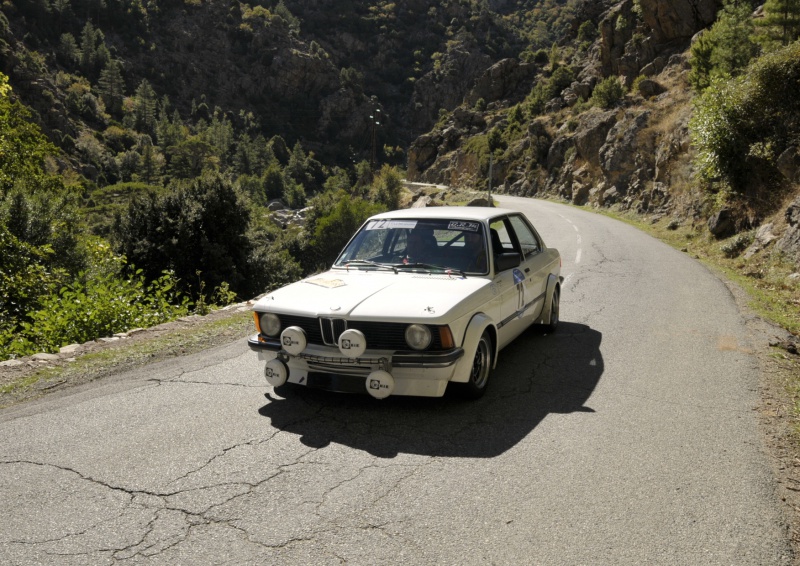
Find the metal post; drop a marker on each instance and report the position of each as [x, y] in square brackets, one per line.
[489, 195]
[375, 119]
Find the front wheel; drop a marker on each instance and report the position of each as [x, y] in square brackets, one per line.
[475, 387]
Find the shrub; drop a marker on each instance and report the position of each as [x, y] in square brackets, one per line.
[198, 226]
[386, 187]
[91, 307]
[334, 230]
[587, 31]
[724, 49]
[737, 245]
[740, 124]
[607, 93]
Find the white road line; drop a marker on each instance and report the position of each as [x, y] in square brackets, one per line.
[578, 255]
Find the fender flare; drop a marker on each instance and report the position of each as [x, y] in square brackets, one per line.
[477, 325]
[553, 283]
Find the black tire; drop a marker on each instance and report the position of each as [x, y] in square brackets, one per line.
[481, 369]
[552, 324]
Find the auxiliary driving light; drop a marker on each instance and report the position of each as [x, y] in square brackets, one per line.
[276, 372]
[380, 384]
[352, 343]
[293, 340]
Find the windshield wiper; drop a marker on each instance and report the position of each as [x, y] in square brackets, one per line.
[370, 263]
[430, 266]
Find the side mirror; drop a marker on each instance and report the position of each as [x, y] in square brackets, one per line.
[503, 262]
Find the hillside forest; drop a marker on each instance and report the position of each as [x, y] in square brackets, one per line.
[144, 144]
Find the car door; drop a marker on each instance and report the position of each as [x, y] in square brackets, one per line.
[508, 284]
[534, 266]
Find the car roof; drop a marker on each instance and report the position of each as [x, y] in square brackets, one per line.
[448, 212]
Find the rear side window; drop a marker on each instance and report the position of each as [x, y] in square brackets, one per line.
[526, 236]
[501, 238]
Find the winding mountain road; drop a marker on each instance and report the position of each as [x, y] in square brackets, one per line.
[629, 436]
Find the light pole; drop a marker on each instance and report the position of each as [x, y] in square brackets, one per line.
[375, 120]
[489, 193]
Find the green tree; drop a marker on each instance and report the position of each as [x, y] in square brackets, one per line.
[191, 157]
[282, 11]
[332, 231]
[782, 20]
[220, 136]
[39, 231]
[146, 108]
[23, 147]
[495, 140]
[294, 195]
[68, 52]
[352, 79]
[607, 92]
[199, 226]
[554, 57]
[387, 186]
[94, 53]
[112, 86]
[170, 131]
[702, 67]
[274, 183]
[726, 48]
[149, 169]
[740, 125]
[734, 47]
[587, 31]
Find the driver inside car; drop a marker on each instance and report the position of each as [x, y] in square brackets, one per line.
[473, 242]
[421, 246]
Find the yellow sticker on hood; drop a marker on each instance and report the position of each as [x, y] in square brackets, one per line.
[329, 283]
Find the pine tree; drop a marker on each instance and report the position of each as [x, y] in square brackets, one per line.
[782, 16]
[148, 169]
[146, 107]
[112, 86]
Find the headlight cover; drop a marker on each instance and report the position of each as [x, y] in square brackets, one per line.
[270, 324]
[418, 336]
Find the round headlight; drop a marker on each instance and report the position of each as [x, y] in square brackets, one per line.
[418, 336]
[270, 324]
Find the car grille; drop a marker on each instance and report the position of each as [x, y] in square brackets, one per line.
[380, 335]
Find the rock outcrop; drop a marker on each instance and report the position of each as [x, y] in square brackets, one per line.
[672, 20]
[506, 79]
[790, 241]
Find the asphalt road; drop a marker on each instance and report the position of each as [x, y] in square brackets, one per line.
[627, 437]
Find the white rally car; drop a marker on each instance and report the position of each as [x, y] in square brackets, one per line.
[418, 298]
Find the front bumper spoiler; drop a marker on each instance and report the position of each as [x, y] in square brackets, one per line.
[401, 359]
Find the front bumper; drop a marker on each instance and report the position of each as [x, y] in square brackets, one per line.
[413, 373]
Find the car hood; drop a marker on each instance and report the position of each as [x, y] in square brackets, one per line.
[376, 295]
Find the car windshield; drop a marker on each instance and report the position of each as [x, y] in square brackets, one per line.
[424, 244]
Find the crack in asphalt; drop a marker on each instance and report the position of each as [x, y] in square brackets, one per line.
[90, 479]
[172, 523]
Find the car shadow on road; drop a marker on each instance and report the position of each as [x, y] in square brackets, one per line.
[537, 375]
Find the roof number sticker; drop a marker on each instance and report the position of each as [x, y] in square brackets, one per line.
[391, 224]
[463, 225]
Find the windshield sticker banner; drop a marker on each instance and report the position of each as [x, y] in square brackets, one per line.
[328, 283]
[391, 224]
[462, 225]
